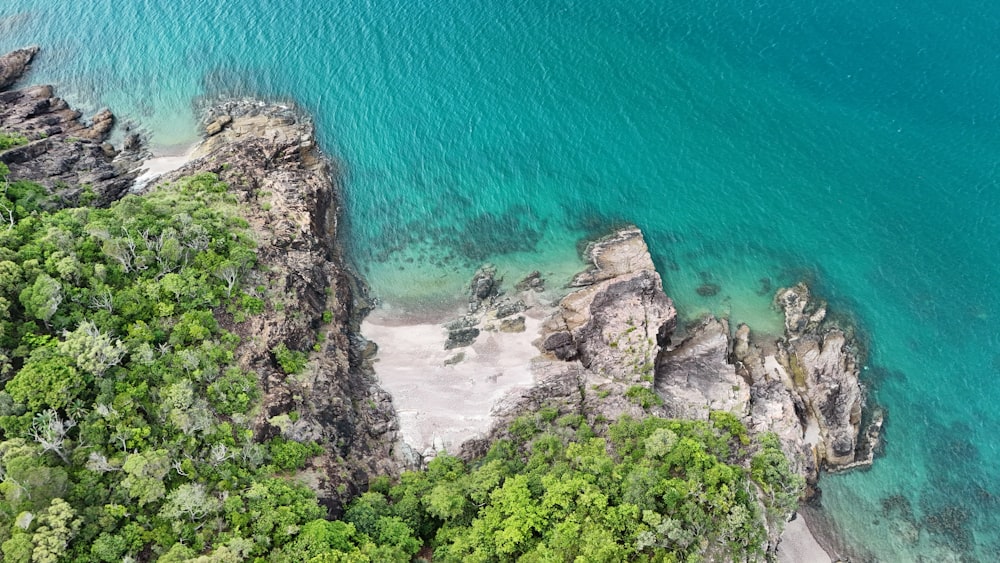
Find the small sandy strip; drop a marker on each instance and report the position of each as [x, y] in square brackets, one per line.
[171, 160]
[799, 546]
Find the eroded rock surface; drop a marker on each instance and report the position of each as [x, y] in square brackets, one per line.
[287, 191]
[66, 154]
[618, 319]
[13, 65]
[695, 377]
[600, 342]
[823, 363]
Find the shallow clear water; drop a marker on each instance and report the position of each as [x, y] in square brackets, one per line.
[852, 144]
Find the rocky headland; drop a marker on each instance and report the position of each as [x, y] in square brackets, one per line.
[612, 346]
[289, 194]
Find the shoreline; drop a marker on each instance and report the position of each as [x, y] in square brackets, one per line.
[485, 365]
[800, 542]
[490, 370]
[418, 371]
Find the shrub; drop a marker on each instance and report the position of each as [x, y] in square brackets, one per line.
[291, 362]
[643, 396]
[11, 140]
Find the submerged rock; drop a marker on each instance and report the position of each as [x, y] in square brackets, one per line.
[484, 288]
[461, 337]
[708, 289]
[532, 281]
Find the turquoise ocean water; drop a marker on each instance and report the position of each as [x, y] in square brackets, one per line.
[854, 144]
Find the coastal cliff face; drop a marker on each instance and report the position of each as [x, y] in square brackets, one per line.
[287, 191]
[69, 156]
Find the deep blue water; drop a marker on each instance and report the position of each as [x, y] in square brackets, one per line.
[854, 144]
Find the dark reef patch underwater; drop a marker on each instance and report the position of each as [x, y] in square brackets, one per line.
[857, 141]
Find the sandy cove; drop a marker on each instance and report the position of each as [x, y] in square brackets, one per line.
[444, 397]
[168, 160]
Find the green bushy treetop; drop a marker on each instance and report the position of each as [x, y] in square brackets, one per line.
[650, 490]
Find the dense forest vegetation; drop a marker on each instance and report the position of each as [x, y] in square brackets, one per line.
[126, 425]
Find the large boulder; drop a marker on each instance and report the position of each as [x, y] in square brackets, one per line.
[620, 317]
[599, 346]
[696, 377]
[14, 64]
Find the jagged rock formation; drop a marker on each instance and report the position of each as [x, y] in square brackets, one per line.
[287, 191]
[619, 318]
[601, 342]
[70, 157]
[819, 365]
[611, 339]
[14, 64]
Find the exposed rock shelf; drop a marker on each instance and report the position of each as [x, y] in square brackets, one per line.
[610, 347]
[607, 350]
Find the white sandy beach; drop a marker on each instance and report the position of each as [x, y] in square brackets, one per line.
[167, 160]
[441, 405]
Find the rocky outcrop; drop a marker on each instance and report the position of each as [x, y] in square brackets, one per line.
[823, 363]
[64, 153]
[13, 65]
[599, 345]
[806, 387]
[609, 342]
[617, 321]
[288, 193]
